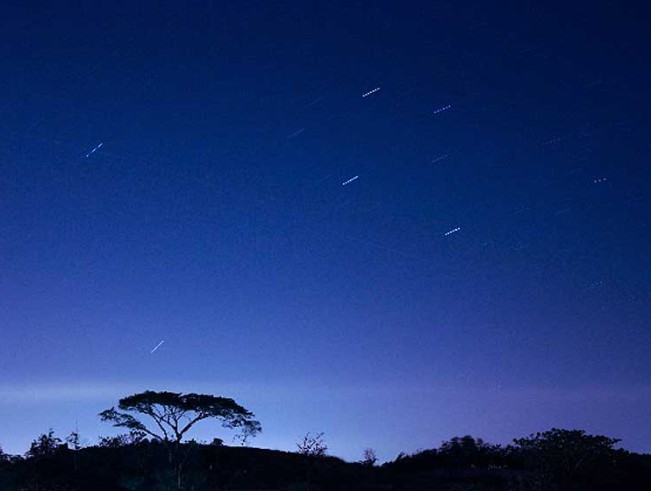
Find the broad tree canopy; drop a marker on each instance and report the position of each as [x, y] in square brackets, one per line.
[566, 452]
[173, 414]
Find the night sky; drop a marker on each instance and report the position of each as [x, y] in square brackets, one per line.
[174, 171]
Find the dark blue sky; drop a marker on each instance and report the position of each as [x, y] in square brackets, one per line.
[213, 217]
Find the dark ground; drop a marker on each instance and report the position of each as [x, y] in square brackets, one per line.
[145, 466]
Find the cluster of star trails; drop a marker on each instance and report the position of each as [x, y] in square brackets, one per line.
[297, 131]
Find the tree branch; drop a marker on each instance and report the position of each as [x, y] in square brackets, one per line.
[199, 417]
[157, 418]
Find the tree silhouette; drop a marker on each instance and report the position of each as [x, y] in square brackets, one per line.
[174, 414]
[562, 456]
[313, 445]
[467, 451]
[74, 443]
[369, 457]
[74, 440]
[125, 439]
[45, 445]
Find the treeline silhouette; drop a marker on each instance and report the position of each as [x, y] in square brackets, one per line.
[552, 460]
[142, 459]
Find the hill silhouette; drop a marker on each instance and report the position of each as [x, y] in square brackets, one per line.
[553, 460]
